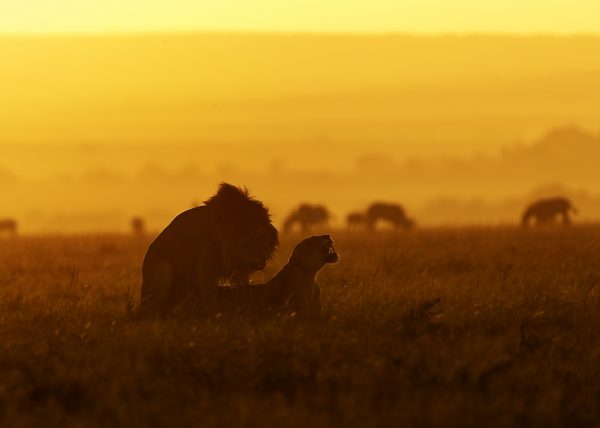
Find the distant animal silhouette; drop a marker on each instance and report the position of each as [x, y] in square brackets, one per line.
[225, 240]
[356, 219]
[308, 217]
[138, 226]
[393, 214]
[8, 227]
[548, 211]
[294, 288]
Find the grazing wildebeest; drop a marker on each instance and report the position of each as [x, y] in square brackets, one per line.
[8, 227]
[308, 217]
[356, 219]
[223, 241]
[393, 214]
[548, 211]
[138, 226]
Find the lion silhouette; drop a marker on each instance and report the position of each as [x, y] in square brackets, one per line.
[8, 227]
[225, 240]
[548, 211]
[393, 214]
[307, 217]
[293, 289]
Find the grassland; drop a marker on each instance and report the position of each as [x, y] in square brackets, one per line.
[440, 327]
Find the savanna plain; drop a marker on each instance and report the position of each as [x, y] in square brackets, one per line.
[470, 327]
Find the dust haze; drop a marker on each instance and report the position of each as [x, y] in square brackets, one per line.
[459, 129]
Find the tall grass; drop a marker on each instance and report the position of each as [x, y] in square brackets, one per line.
[439, 327]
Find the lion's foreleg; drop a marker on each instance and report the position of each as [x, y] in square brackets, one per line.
[157, 286]
[206, 284]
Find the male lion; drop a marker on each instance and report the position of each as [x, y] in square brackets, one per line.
[224, 240]
[294, 288]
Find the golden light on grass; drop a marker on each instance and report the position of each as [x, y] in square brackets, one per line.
[481, 315]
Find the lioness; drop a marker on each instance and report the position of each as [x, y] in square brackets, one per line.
[294, 288]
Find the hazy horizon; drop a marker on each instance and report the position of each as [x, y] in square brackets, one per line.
[458, 129]
[102, 195]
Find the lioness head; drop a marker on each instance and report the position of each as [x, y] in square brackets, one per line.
[315, 252]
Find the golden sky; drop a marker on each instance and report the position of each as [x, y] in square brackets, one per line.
[512, 16]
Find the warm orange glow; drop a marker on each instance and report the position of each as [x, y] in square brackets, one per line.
[93, 120]
[100, 126]
[432, 95]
